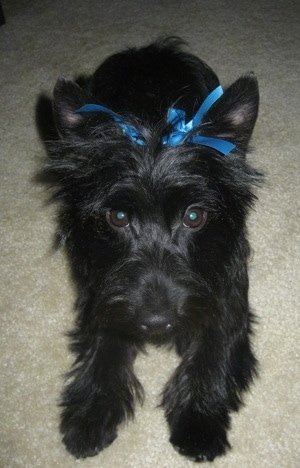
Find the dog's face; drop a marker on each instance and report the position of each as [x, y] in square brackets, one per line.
[154, 231]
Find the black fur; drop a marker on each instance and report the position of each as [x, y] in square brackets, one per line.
[156, 279]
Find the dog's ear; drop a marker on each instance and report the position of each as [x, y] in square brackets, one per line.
[234, 115]
[67, 98]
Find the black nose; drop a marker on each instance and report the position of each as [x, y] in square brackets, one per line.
[156, 303]
[156, 324]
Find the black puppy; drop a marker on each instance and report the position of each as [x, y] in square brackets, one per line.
[153, 190]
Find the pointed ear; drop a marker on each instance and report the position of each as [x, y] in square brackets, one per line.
[234, 115]
[67, 98]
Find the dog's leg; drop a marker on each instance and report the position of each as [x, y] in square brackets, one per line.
[100, 395]
[203, 390]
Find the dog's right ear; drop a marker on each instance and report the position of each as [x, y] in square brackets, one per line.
[67, 98]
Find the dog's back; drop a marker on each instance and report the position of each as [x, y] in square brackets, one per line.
[146, 82]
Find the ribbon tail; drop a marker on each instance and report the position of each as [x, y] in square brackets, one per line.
[223, 146]
[206, 105]
[98, 108]
[129, 131]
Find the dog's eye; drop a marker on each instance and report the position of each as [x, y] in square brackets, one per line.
[117, 218]
[194, 218]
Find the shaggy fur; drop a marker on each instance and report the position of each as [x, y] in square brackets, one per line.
[144, 269]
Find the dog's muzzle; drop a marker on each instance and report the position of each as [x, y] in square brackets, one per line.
[157, 306]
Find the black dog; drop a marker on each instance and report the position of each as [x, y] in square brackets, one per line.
[153, 189]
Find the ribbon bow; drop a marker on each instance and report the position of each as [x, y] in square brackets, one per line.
[176, 117]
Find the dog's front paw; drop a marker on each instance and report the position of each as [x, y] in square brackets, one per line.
[199, 437]
[88, 431]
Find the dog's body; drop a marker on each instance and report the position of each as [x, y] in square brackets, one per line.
[156, 238]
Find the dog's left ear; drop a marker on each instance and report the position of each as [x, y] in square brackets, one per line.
[234, 115]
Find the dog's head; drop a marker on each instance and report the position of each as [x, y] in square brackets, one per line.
[155, 232]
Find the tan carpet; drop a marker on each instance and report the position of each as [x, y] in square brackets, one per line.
[43, 39]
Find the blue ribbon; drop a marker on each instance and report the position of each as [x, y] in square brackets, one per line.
[176, 117]
[129, 131]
